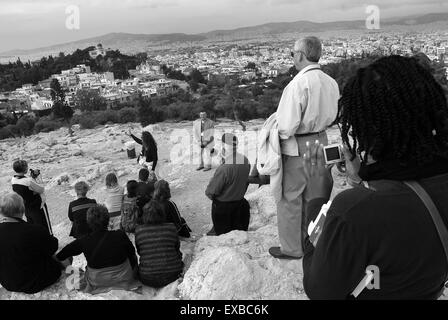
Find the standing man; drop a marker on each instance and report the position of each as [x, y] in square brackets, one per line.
[36, 210]
[203, 134]
[309, 105]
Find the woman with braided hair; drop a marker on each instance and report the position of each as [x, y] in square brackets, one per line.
[393, 117]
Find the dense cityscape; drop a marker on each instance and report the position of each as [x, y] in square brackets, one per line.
[246, 62]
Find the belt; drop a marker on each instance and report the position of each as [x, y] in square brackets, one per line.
[300, 135]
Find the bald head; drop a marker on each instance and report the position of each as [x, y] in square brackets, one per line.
[311, 48]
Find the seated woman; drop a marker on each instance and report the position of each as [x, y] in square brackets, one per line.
[394, 121]
[158, 245]
[162, 194]
[26, 250]
[110, 255]
[77, 211]
[114, 200]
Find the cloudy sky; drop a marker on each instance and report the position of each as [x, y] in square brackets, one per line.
[28, 24]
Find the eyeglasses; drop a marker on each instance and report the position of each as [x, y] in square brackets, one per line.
[293, 53]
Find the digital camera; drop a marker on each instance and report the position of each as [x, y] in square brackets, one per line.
[34, 173]
[333, 154]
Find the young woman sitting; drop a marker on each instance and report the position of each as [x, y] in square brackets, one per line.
[158, 245]
[162, 194]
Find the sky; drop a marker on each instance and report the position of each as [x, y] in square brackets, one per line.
[27, 24]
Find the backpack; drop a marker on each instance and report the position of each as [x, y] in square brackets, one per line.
[130, 215]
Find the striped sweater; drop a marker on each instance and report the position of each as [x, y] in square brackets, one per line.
[159, 249]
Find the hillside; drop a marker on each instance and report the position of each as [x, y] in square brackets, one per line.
[134, 43]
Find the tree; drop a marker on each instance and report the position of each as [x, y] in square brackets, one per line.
[251, 66]
[57, 93]
[89, 100]
[194, 85]
[148, 112]
[197, 76]
[62, 110]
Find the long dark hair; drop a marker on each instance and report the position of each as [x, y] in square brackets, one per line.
[148, 141]
[162, 191]
[394, 109]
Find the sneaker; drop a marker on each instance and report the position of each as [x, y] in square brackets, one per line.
[199, 168]
[207, 169]
[277, 253]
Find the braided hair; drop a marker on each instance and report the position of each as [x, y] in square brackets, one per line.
[394, 109]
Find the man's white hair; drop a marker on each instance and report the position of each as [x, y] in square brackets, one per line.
[311, 47]
[12, 205]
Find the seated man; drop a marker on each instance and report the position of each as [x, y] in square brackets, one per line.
[230, 211]
[26, 250]
[77, 211]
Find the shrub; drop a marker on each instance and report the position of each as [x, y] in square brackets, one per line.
[14, 129]
[127, 115]
[103, 117]
[5, 133]
[87, 122]
[46, 125]
[26, 124]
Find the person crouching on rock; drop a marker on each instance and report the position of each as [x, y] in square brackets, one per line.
[158, 245]
[26, 250]
[114, 200]
[110, 255]
[148, 155]
[230, 211]
[36, 211]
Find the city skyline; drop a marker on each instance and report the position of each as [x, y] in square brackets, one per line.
[42, 23]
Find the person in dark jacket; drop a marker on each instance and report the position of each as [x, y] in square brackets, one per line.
[77, 211]
[230, 210]
[149, 148]
[162, 194]
[110, 255]
[394, 125]
[145, 187]
[158, 245]
[26, 250]
[36, 211]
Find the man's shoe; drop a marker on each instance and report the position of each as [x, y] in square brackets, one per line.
[277, 253]
[207, 169]
[212, 232]
[199, 168]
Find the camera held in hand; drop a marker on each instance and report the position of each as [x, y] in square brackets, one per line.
[333, 154]
[34, 173]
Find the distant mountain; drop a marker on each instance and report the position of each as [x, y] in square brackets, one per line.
[133, 43]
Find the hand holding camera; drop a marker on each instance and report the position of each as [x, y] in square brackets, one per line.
[319, 178]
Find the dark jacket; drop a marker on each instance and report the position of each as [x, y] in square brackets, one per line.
[77, 213]
[149, 154]
[26, 257]
[386, 226]
[102, 249]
